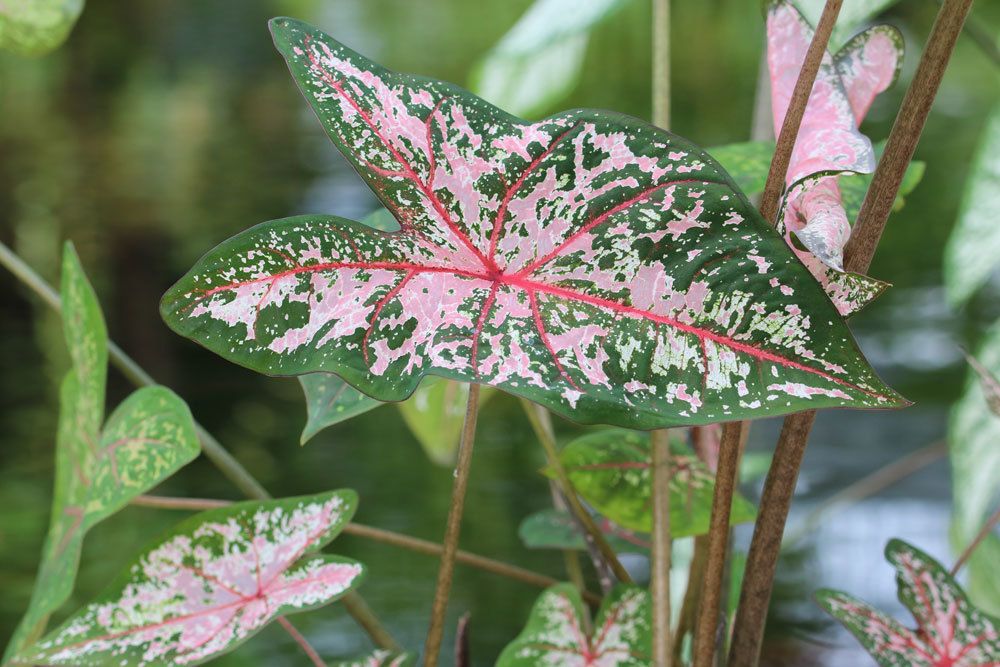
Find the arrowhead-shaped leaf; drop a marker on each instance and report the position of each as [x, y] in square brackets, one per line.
[214, 581]
[950, 631]
[589, 262]
[555, 529]
[98, 471]
[554, 634]
[612, 470]
[35, 27]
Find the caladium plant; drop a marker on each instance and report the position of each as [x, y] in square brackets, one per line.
[590, 262]
[950, 631]
[100, 466]
[555, 633]
[214, 581]
[612, 470]
[828, 142]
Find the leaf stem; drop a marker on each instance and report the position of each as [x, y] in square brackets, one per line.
[660, 566]
[706, 631]
[539, 418]
[692, 597]
[983, 533]
[571, 557]
[661, 63]
[905, 134]
[432, 647]
[796, 110]
[212, 448]
[301, 641]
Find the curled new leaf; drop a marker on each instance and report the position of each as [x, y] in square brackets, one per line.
[612, 470]
[950, 631]
[209, 585]
[555, 633]
[590, 262]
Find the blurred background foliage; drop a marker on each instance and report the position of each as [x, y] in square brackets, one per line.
[161, 128]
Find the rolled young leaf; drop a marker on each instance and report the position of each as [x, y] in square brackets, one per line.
[589, 262]
[210, 584]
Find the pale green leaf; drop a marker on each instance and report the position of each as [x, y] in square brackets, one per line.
[35, 27]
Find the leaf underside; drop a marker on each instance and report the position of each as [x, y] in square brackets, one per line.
[950, 631]
[589, 262]
[214, 581]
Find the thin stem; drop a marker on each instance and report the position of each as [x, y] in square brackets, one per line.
[867, 486]
[706, 631]
[301, 641]
[984, 532]
[213, 450]
[661, 63]
[538, 417]
[432, 647]
[660, 566]
[414, 544]
[905, 134]
[571, 558]
[692, 597]
[796, 110]
[762, 559]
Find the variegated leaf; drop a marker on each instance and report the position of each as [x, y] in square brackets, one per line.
[829, 142]
[612, 470]
[35, 27]
[950, 631]
[556, 529]
[589, 262]
[379, 658]
[98, 471]
[214, 581]
[555, 635]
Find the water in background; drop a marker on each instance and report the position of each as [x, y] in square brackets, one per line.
[162, 128]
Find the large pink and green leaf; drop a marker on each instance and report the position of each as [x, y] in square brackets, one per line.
[590, 262]
[98, 469]
[612, 470]
[950, 632]
[214, 581]
[555, 633]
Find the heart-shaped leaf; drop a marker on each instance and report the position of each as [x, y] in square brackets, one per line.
[214, 581]
[950, 631]
[828, 142]
[590, 262]
[554, 634]
[35, 27]
[98, 471]
[379, 658]
[556, 529]
[612, 470]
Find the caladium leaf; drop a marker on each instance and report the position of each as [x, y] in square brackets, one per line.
[380, 658]
[435, 414]
[974, 246]
[556, 529]
[214, 581]
[35, 27]
[950, 631]
[828, 142]
[329, 401]
[554, 634]
[590, 262]
[540, 59]
[98, 471]
[974, 452]
[612, 470]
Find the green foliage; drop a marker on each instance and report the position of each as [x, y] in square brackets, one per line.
[36, 27]
[379, 659]
[98, 471]
[211, 583]
[612, 470]
[555, 633]
[555, 529]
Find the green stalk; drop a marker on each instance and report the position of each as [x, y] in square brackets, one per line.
[211, 447]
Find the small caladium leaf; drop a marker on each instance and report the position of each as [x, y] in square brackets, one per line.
[99, 470]
[554, 634]
[556, 529]
[380, 658]
[828, 142]
[36, 27]
[329, 401]
[950, 631]
[590, 262]
[213, 582]
[612, 470]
